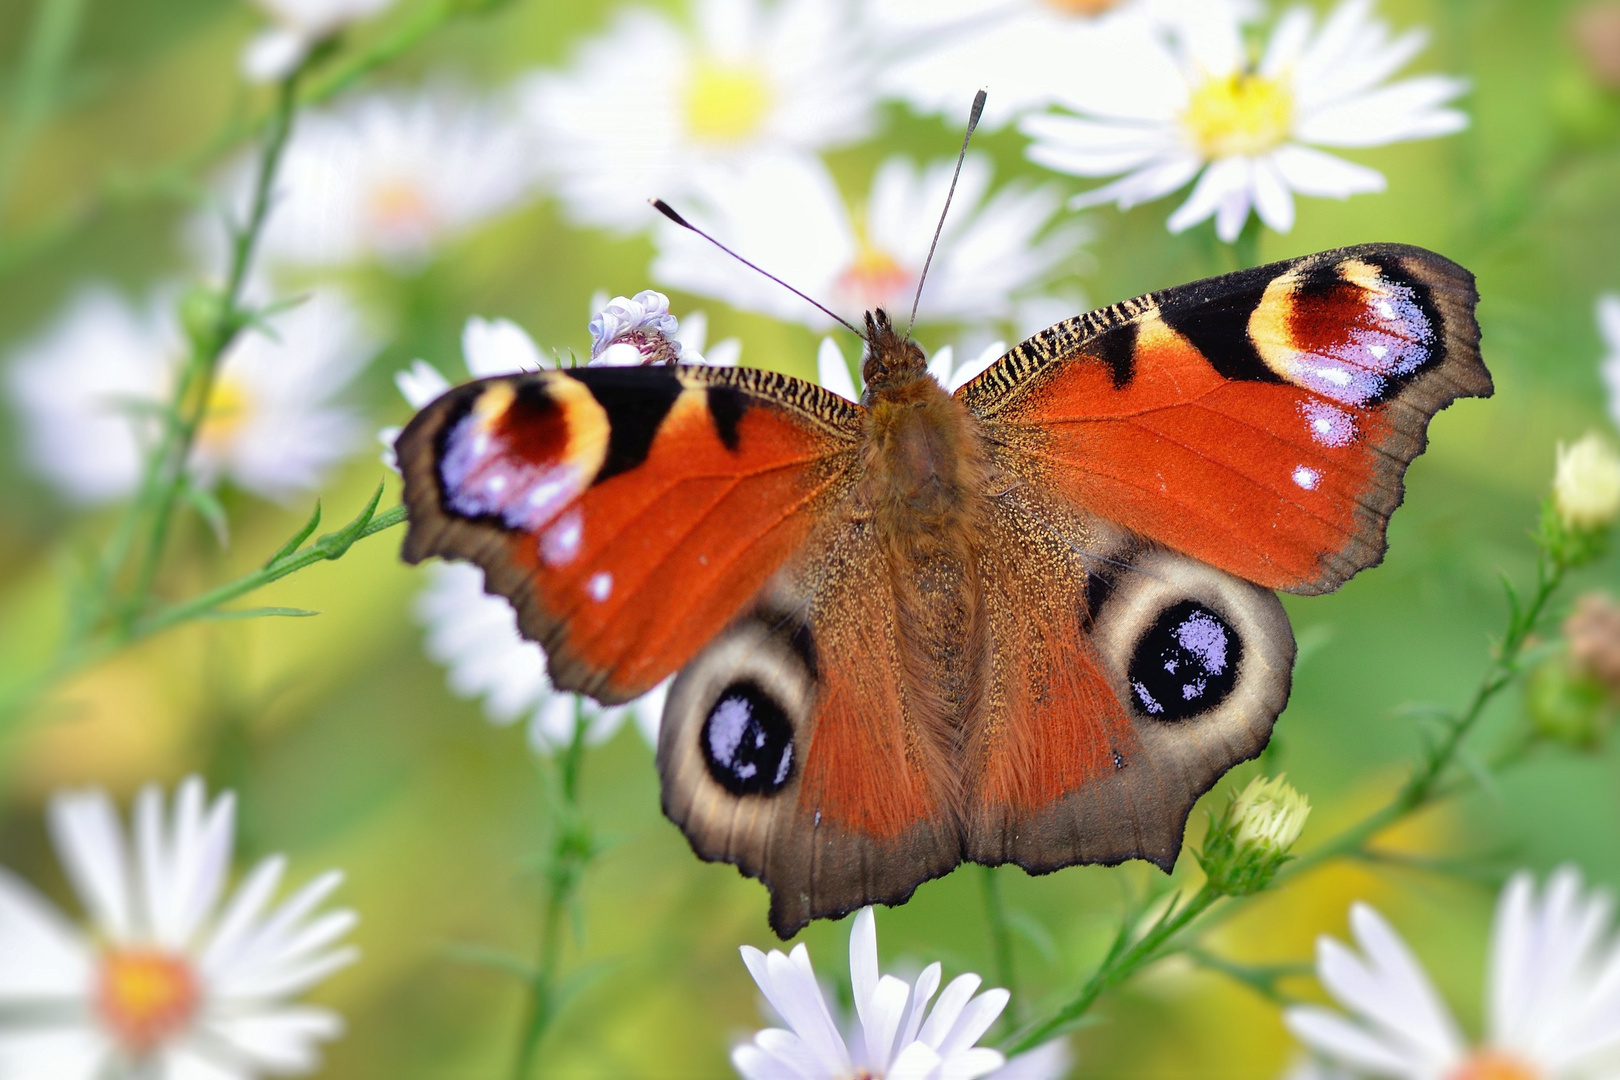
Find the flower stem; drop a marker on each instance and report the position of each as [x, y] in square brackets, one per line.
[39, 83]
[572, 850]
[1124, 960]
[1001, 943]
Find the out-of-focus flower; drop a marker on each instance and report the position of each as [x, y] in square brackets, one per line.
[1608, 323]
[300, 25]
[1593, 633]
[1597, 35]
[1586, 484]
[1249, 842]
[172, 979]
[387, 175]
[650, 108]
[88, 385]
[1553, 1008]
[786, 214]
[943, 51]
[475, 635]
[1181, 101]
[895, 1034]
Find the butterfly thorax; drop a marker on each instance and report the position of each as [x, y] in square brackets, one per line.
[922, 488]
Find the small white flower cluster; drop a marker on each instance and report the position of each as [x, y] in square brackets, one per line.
[639, 330]
[173, 978]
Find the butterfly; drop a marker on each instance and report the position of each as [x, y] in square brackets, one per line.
[1029, 622]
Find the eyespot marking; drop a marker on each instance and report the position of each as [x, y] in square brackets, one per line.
[747, 741]
[1185, 664]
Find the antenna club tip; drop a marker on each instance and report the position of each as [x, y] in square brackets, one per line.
[669, 211]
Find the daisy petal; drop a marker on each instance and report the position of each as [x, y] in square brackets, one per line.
[1312, 172]
[42, 956]
[1331, 1034]
[90, 843]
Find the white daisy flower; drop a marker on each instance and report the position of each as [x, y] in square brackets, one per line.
[1553, 1008]
[87, 387]
[895, 1034]
[387, 175]
[1167, 105]
[649, 107]
[172, 979]
[834, 373]
[300, 25]
[943, 51]
[475, 635]
[1608, 321]
[786, 214]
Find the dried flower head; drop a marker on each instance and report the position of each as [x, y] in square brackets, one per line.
[1586, 484]
[1597, 36]
[1593, 632]
[636, 330]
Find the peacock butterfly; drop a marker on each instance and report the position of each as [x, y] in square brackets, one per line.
[1028, 622]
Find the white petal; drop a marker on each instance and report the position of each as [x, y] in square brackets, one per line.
[885, 1013]
[205, 860]
[1512, 943]
[65, 1053]
[977, 1061]
[1272, 199]
[188, 1063]
[1048, 1061]
[42, 955]
[977, 366]
[863, 961]
[1311, 172]
[1208, 194]
[975, 1020]
[1233, 212]
[1608, 320]
[244, 909]
[922, 992]
[948, 1010]
[1396, 113]
[832, 371]
[420, 383]
[90, 843]
[282, 1040]
[916, 1062]
[498, 347]
[941, 364]
[787, 1056]
[725, 353]
[273, 54]
[1331, 1034]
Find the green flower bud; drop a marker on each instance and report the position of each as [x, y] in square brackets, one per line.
[1246, 845]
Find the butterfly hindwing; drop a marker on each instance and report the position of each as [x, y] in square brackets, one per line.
[626, 512]
[1260, 422]
[794, 747]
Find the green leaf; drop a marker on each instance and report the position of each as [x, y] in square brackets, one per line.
[210, 509]
[298, 538]
[1033, 931]
[257, 613]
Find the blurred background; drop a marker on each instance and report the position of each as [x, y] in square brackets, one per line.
[343, 737]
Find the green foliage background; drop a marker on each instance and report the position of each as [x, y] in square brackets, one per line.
[347, 750]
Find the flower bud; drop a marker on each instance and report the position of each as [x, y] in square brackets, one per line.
[634, 331]
[1566, 704]
[1586, 484]
[1596, 28]
[1593, 633]
[1247, 844]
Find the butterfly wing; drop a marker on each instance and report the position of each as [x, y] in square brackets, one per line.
[792, 747]
[1123, 680]
[1164, 463]
[628, 513]
[1260, 422]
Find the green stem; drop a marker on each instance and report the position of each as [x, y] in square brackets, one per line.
[572, 850]
[1246, 248]
[1001, 943]
[190, 403]
[55, 29]
[1123, 961]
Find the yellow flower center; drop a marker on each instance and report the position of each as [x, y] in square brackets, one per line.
[726, 103]
[145, 996]
[1492, 1065]
[399, 205]
[1239, 114]
[1082, 7]
[873, 277]
[228, 408]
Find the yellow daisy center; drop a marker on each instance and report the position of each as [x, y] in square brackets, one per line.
[726, 103]
[1239, 114]
[1493, 1065]
[228, 408]
[146, 996]
[399, 205]
[1082, 7]
[873, 277]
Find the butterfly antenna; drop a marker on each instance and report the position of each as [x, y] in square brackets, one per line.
[669, 211]
[973, 122]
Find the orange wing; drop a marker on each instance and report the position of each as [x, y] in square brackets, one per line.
[1260, 422]
[627, 513]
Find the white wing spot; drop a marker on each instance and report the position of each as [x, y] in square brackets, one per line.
[600, 586]
[1307, 478]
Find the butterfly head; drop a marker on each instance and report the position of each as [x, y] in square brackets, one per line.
[892, 358]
